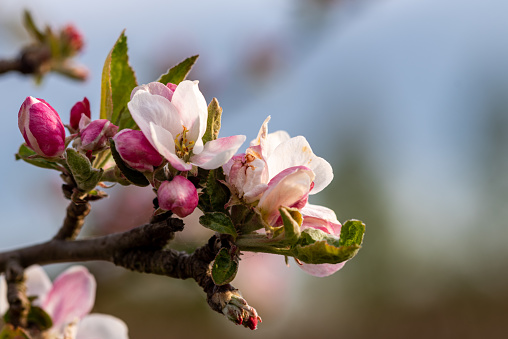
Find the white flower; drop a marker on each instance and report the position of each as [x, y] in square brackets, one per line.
[175, 122]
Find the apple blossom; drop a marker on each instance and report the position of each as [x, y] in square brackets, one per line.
[175, 122]
[68, 301]
[41, 127]
[79, 108]
[136, 151]
[178, 195]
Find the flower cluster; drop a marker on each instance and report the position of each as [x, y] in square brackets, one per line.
[165, 136]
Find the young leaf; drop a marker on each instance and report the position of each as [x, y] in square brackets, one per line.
[84, 174]
[351, 233]
[135, 177]
[292, 219]
[218, 222]
[28, 155]
[118, 81]
[224, 267]
[213, 123]
[322, 252]
[38, 317]
[218, 193]
[178, 73]
[30, 26]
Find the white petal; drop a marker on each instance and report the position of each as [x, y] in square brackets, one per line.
[102, 326]
[191, 105]
[37, 283]
[145, 108]
[262, 134]
[217, 152]
[4, 304]
[165, 145]
[297, 152]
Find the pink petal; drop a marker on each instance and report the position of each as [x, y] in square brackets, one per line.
[154, 88]
[289, 188]
[102, 326]
[218, 152]
[320, 217]
[72, 296]
[321, 270]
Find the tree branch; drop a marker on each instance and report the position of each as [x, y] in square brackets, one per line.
[74, 220]
[142, 250]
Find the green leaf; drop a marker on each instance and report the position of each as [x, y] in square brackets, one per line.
[134, 176]
[118, 81]
[178, 73]
[224, 267]
[218, 222]
[322, 252]
[10, 332]
[27, 154]
[29, 24]
[218, 193]
[213, 123]
[292, 219]
[351, 233]
[84, 174]
[38, 317]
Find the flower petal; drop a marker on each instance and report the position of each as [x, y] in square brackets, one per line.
[297, 152]
[4, 304]
[288, 188]
[321, 270]
[72, 296]
[191, 105]
[102, 326]
[163, 142]
[145, 108]
[155, 88]
[37, 283]
[218, 152]
[320, 217]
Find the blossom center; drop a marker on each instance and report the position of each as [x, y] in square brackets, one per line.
[183, 146]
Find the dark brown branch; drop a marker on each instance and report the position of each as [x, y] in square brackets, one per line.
[32, 60]
[16, 294]
[142, 250]
[74, 220]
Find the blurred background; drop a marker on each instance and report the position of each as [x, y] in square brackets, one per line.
[408, 100]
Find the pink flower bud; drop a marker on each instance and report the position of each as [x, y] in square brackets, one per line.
[41, 127]
[172, 88]
[178, 195]
[73, 37]
[81, 107]
[136, 151]
[95, 136]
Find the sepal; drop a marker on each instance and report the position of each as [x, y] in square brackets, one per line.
[84, 174]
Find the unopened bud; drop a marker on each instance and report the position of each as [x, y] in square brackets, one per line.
[95, 136]
[79, 108]
[136, 151]
[178, 195]
[41, 127]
